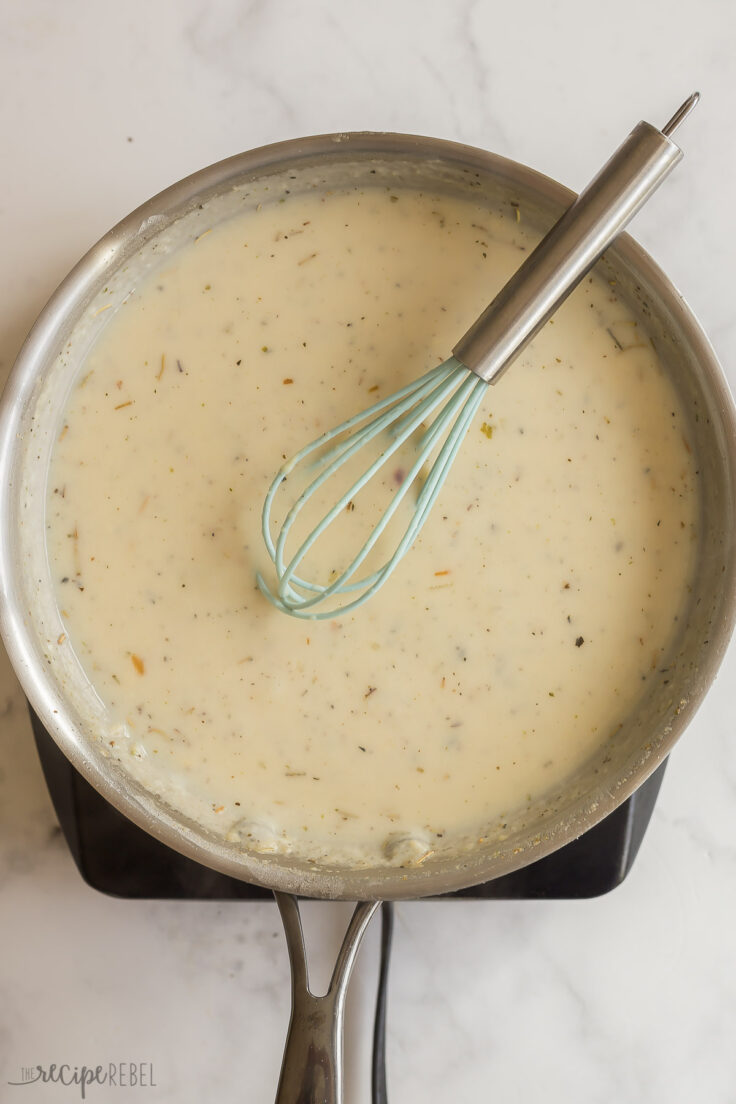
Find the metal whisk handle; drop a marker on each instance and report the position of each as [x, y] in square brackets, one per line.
[571, 248]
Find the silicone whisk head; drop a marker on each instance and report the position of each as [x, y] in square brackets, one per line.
[439, 406]
[444, 400]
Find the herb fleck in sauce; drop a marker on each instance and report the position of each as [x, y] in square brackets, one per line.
[453, 697]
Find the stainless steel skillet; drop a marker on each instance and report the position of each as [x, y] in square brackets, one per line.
[56, 687]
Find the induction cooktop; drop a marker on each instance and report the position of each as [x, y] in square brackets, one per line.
[116, 857]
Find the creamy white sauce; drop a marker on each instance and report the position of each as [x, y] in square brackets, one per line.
[513, 640]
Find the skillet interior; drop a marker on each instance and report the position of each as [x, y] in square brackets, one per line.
[41, 381]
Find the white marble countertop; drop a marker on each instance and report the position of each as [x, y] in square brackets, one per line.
[631, 997]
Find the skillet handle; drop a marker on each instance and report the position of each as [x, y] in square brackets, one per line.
[311, 1070]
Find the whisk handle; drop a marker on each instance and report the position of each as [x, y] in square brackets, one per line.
[571, 248]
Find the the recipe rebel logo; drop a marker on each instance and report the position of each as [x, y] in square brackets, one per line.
[119, 1075]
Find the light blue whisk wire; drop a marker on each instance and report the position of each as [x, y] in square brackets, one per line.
[566, 253]
[400, 415]
[545, 279]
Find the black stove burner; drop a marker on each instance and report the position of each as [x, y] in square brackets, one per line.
[116, 857]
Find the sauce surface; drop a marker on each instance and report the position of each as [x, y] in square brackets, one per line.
[515, 637]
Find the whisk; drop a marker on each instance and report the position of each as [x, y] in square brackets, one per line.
[451, 393]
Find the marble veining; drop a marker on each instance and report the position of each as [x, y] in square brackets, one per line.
[631, 997]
